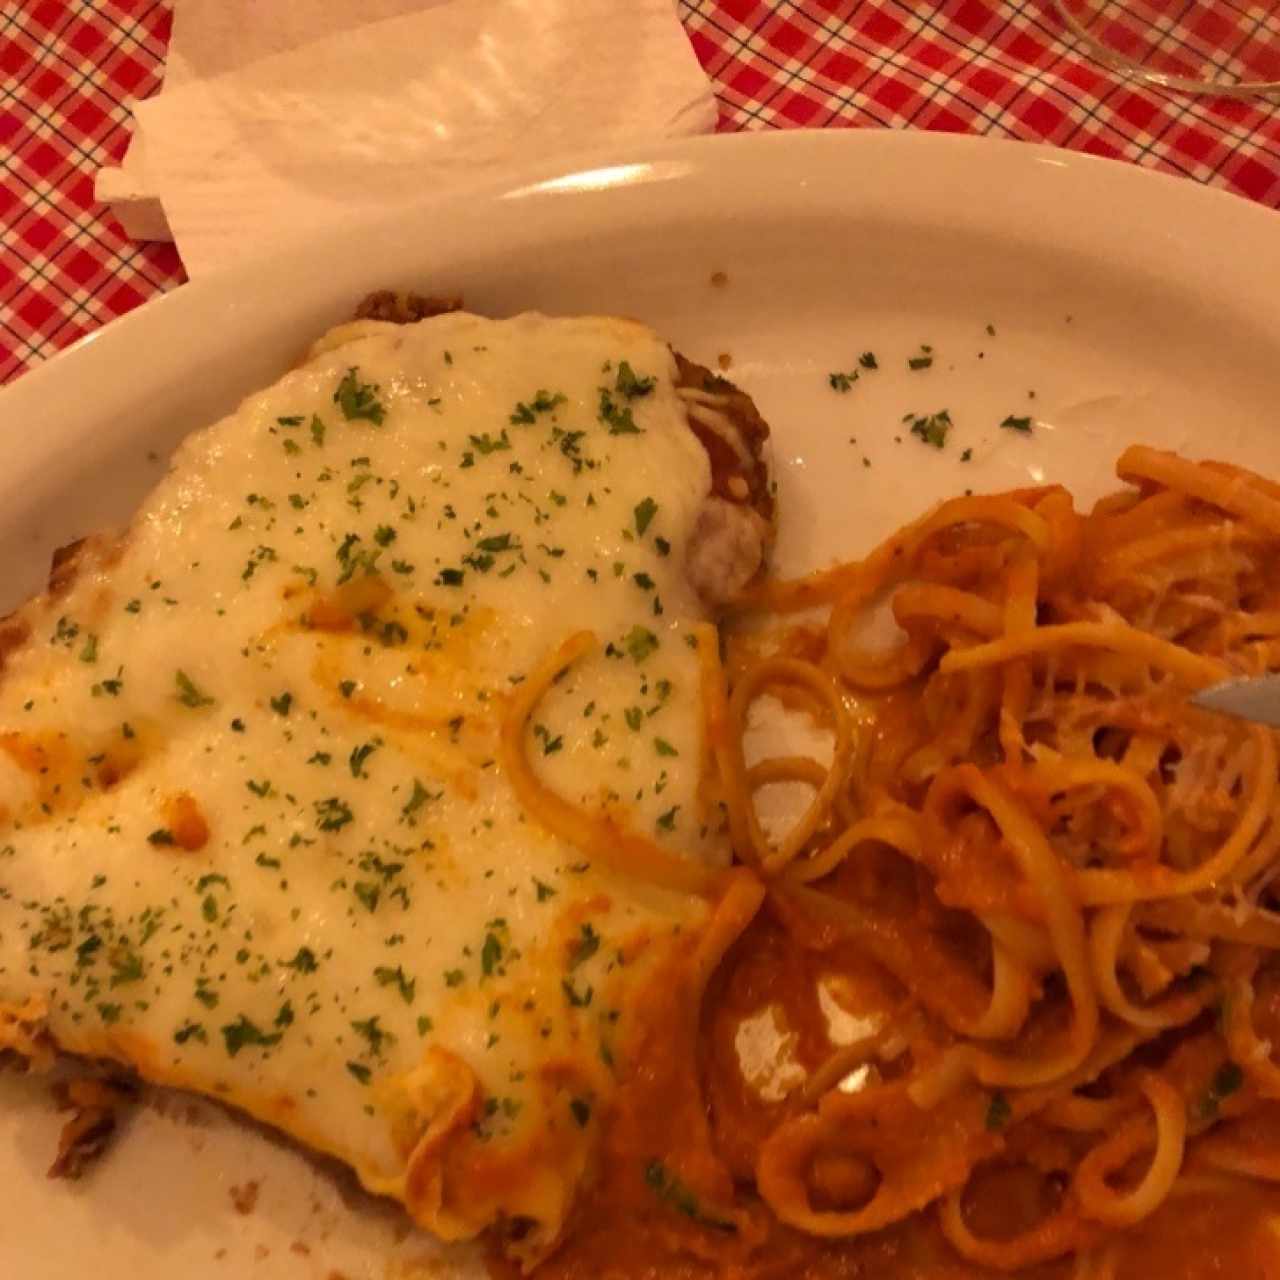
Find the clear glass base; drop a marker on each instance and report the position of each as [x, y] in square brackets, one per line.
[1218, 47]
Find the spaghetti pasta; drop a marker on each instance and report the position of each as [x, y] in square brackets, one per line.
[1016, 974]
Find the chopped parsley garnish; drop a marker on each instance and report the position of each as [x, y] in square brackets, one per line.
[189, 693]
[281, 704]
[842, 382]
[644, 513]
[581, 1111]
[490, 954]
[664, 748]
[359, 755]
[375, 1035]
[571, 994]
[629, 385]
[332, 814]
[1013, 423]
[242, 1033]
[587, 945]
[304, 961]
[616, 417]
[1227, 1080]
[358, 400]
[868, 360]
[449, 578]
[486, 444]
[161, 835]
[415, 802]
[360, 1072]
[396, 977]
[639, 643]
[543, 402]
[923, 361]
[999, 1112]
[932, 429]
[671, 1190]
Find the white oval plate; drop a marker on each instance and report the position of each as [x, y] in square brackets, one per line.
[1135, 307]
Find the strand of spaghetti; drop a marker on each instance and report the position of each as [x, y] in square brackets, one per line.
[1192, 918]
[1026, 940]
[711, 696]
[1113, 523]
[1022, 583]
[793, 671]
[742, 895]
[725, 743]
[1229, 469]
[1106, 933]
[787, 769]
[1261, 859]
[899, 831]
[1229, 492]
[1041, 870]
[958, 726]
[862, 579]
[1062, 775]
[841, 1063]
[851, 1127]
[1220, 1152]
[1090, 1188]
[1248, 1049]
[918, 602]
[603, 840]
[1098, 887]
[1119, 637]
[1079, 1114]
[1012, 988]
[1058, 1234]
[1168, 544]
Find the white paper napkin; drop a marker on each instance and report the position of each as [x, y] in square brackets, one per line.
[265, 136]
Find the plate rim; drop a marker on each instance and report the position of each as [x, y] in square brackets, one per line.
[613, 170]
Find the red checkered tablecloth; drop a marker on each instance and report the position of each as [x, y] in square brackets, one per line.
[72, 67]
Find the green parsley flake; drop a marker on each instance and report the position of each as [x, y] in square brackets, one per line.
[189, 693]
[644, 513]
[932, 429]
[999, 1113]
[358, 400]
[243, 1033]
[639, 643]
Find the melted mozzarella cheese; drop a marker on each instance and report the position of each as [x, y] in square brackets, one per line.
[254, 838]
